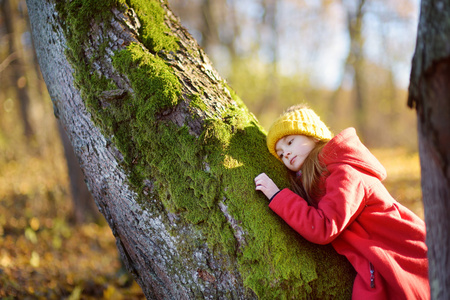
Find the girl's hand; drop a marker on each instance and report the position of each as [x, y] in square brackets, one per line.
[265, 184]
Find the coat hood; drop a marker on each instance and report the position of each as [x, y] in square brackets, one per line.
[347, 148]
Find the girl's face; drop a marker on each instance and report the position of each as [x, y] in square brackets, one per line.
[293, 150]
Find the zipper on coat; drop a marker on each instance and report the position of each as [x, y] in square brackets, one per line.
[372, 276]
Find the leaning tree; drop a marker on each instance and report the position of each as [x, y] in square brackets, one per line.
[429, 93]
[169, 153]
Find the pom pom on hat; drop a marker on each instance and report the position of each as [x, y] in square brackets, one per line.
[297, 120]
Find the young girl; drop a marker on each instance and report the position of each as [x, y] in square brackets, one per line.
[339, 199]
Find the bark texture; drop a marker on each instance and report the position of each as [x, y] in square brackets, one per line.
[429, 93]
[169, 154]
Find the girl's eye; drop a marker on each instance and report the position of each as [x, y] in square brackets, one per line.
[290, 142]
[281, 156]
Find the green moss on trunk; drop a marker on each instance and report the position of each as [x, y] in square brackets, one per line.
[193, 175]
[154, 34]
[155, 86]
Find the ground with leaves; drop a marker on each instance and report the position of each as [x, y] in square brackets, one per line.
[43, 255]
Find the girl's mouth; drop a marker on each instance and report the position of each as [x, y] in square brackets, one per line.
[292, 160]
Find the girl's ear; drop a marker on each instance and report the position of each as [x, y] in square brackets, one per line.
[316, 140]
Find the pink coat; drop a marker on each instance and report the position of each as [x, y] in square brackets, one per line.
[383, 240]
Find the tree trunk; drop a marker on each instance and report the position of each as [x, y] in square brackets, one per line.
[429, 92]
[84, 208]
[169, 154]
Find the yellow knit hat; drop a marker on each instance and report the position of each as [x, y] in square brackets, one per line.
[297, 120]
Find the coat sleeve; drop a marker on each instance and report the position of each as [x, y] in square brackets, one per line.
[341, 204]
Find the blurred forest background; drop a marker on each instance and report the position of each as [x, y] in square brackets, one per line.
[349, 60]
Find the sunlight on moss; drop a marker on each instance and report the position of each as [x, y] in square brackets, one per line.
[231, 163]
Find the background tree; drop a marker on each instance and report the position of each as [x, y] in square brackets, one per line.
[170, 153]
[354, 65]
[84, 208]
[429, 95]
[16, 74]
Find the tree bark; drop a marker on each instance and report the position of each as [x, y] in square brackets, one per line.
[429, 92]
[169, 154]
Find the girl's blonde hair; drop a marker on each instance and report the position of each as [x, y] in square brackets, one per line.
[307, 185]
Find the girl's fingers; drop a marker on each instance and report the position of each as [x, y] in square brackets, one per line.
[261, 178]
[260, 185]
[265, 184]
